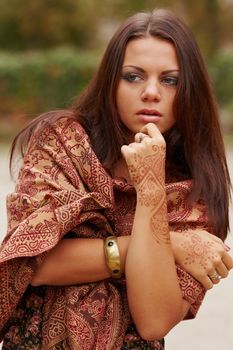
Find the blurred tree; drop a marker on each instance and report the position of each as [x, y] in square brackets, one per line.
[205, 18]
[34, 85]
[26, 24]
[46, 23]
[210, 20]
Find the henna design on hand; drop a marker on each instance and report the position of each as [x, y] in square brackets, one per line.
[153, 164]
[148, 175]
[198, 251]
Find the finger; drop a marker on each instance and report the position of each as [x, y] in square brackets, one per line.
[227, 260]
[130, 151]
[152, 130]
[131, 146]
[126, 151]
[222, 270]
[206, 282]
[140, 136]
[217, 267]
[214, 277]
[227, 247]
[215, 280]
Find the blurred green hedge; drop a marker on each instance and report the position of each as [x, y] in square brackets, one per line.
[221, 71]
[38, 81]
[33, 82]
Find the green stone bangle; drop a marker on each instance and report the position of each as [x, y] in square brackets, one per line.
[112, 256]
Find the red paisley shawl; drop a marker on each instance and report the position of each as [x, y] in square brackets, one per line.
[63, 188]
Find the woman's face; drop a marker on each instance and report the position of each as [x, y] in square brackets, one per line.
[148, 83]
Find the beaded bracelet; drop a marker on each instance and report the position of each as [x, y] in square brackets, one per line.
[112, 256]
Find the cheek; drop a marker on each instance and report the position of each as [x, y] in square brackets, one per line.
[121, 99]
[170, 104]
[171, 97]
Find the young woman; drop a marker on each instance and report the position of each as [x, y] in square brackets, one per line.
[117, 223]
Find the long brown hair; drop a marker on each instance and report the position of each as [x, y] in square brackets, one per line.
[194, 145]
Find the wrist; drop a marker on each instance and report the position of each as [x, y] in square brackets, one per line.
[115, 249]
[149, 206]
[123, 244]
[151, 199]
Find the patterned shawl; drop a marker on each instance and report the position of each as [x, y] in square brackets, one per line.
[63, 190]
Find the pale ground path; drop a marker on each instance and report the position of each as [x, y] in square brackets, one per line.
[213, 327]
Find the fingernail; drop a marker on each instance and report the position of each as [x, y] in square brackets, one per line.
[227, 247]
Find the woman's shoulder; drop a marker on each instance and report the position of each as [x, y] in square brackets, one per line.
[60, 123]
[54, 131]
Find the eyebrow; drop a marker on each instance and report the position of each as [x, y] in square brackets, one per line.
[143, 71]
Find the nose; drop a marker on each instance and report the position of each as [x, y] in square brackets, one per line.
[151, 91]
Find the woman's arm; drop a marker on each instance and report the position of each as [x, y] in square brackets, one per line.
[76, 261]
[154, 294]
[201, 254]
[82, 260]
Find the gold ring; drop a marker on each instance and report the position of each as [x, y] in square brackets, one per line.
[215, 276]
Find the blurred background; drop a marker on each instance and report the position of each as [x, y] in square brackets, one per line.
[49, 50]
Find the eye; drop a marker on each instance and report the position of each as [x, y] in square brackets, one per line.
[131, 77]
[171, 81]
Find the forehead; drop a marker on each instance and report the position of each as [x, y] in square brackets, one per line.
[148, 50]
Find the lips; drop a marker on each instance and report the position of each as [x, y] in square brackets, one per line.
[149, 112]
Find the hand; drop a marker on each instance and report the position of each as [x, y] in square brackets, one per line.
[145, 159]
[202, 255]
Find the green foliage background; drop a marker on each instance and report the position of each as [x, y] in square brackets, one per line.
[50, 49]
